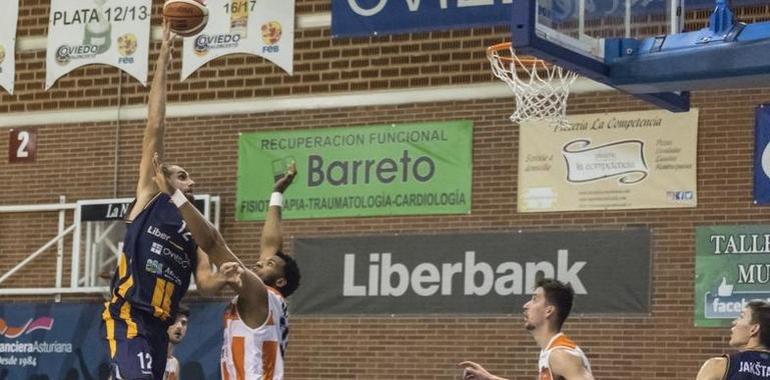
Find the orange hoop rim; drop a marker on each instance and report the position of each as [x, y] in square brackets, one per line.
[506, 46]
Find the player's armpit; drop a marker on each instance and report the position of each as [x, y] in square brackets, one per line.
[713, 369]
[568, 366]
[252, 300]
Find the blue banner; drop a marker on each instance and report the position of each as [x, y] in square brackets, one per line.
[378, 17]
[63, 341]
[762, 155]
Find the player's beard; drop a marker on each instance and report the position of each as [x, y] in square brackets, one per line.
[268, 278]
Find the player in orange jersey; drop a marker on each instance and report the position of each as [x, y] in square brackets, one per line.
[256, 322]
[544, 315]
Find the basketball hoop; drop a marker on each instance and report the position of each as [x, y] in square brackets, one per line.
[541, 89]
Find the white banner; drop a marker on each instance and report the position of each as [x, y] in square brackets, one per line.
[623, 160]
[10, 11]
[110, 32]
[259, 27]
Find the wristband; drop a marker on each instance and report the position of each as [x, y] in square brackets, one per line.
[276, 199]
[178, 198]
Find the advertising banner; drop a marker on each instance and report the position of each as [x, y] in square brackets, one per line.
[379, 17]
[471, 273]
[732, 267]
[627, 160]
[398, 169]
[264, 28]
[109, 32]
[64, 341]
[10, 11]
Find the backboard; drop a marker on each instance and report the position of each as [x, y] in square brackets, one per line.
[573, 34]
[641, 46]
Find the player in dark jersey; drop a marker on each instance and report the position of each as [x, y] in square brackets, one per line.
[159, 256]
[750, 334]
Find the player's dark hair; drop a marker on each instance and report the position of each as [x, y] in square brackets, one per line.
[559, 295]
[760, 313]
[182, 309]
[290, 273]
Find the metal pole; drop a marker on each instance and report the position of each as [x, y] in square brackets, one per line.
[75, 268]
[581, 18]
[36, 254]
[217, 210]
[44, 291]
[60, 248]
[628, 18]
[38, 208]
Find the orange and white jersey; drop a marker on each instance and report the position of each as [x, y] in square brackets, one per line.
[172, 369]
[559, 342]
[255, 354]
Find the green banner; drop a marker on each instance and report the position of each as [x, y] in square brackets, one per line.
[394, 169]
[732, 267]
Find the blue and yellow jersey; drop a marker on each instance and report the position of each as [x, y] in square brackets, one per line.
[154, 269]
[748, 365]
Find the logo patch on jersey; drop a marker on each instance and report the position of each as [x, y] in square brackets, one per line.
[154, 267]
[171, 276]
[156, 248]
[155, 231]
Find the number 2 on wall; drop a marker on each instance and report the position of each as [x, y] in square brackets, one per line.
[23, 138]
[22, 145]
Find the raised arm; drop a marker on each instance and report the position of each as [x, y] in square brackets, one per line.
[271, 240]
[152, 141]
[204, 233]
[252, 292]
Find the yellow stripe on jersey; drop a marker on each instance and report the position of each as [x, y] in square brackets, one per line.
[125, 286]
[110, 325]
[122, 265]
[161, 298]
[157, 296]
[125, 315]
[167, 297]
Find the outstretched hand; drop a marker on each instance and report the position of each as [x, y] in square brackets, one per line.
[232, 272]
[160, 176]
[474, 371]
[283, 183]
[167, 39]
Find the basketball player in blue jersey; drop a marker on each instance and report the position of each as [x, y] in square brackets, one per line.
[750, 334]
[159, 257]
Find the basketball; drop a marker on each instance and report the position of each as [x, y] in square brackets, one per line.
[186, 17]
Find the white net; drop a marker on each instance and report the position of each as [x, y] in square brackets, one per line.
[541, 90]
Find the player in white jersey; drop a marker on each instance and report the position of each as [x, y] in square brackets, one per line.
[255, 353]
[544, 315]
[256, 322]
[176, 333]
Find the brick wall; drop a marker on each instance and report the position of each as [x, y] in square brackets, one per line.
[78, 161]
